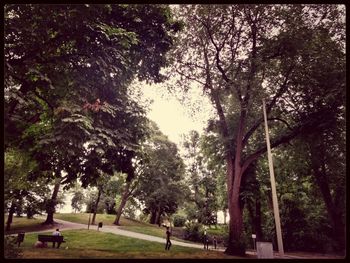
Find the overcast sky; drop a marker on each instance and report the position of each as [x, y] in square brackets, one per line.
[174, 118]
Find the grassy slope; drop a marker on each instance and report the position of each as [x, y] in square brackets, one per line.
[20, 224]
[28, 225]
[94, 244]
[83, 218]
[126, 224]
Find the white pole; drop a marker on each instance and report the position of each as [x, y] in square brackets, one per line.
[273, 188]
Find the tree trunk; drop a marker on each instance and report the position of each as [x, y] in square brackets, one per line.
[10, 216]
[51, 207]
[153, 217]
[125, 197]
[236, 244]
[257, 221]
[157, 219]
[96, 206]
[319, 171]
[225, 215]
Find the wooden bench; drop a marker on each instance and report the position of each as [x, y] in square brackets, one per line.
[50, 238]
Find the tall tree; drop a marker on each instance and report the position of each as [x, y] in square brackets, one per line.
[66, 82]
[161, 188]
[240, 54]
[20, 191]
[201, 179]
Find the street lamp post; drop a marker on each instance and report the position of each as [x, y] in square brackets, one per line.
[89, 220]
[273, 187]
[253, 237]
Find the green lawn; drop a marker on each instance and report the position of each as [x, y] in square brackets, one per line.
[126, 224]
[217, 231]
[83, 218]
[30, 225]
[93, 244]
[20, 224]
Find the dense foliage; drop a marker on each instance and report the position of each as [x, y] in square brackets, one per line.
[66, 80]
[292, 56]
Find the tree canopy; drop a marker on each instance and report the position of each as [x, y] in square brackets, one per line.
[241, 54]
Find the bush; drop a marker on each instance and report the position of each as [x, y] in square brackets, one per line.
[179, 220]
[194, 232]
[10, 247]
[144, 218]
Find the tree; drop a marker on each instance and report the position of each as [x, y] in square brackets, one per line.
[213, 153]
[240, 54]
[201, 180]
[160, 187]
[21, 194]
[66, 83]
[77, 201]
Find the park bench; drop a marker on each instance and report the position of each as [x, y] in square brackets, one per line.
[50, 238]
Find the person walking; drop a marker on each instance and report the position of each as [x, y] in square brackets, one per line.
[168, 242]
[206, 240]
[215, 242]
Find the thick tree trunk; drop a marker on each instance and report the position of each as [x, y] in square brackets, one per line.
[157, 219]
[10, 216]
[51, 208]
[96, 206]
[236, 244]
[125, 197]
[153, 217]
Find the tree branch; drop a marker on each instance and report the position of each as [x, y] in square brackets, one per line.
[189, 78]
[277, 142]
[279, 119]
[283, 88]
[42, 98]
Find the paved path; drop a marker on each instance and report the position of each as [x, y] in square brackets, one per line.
[66, 225]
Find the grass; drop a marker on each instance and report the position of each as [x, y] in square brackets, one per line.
[93, 244]
[126, 224]
[217, 231]
[29, 225]
[83, 218]
[20, 224]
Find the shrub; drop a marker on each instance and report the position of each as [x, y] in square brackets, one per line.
[193, 231]
[179, 220]
[144, 218]
[10, 247]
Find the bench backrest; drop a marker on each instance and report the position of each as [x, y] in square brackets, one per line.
[47, 238]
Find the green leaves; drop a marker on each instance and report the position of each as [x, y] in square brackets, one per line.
[127, 39]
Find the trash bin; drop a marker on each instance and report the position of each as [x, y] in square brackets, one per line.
[100, 224]
[264, 249]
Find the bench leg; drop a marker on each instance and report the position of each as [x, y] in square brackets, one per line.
[53, 244]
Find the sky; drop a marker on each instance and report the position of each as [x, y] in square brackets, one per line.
[174, 118]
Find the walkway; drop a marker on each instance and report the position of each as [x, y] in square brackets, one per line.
[66, 225]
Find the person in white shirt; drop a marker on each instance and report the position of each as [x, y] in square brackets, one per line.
[56, 233]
